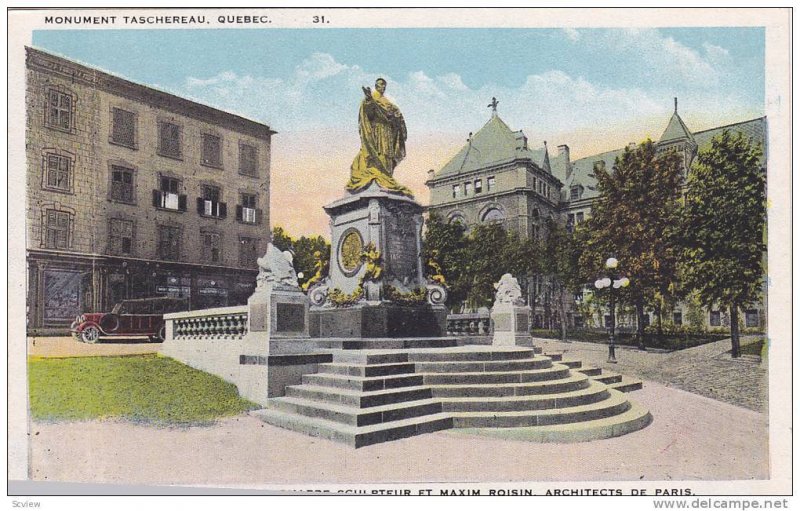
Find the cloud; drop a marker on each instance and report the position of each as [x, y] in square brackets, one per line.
[661, 56]
[314, 109]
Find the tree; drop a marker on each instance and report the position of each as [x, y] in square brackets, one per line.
[472, 263]
[724, 226]
[306, 251]
[636, 219]
[444, 243]
[560, 256]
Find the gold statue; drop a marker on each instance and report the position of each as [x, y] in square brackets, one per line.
[383, 142]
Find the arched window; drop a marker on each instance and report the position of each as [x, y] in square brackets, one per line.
[456, 218]
[493, 215]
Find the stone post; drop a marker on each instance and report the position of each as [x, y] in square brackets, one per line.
[510, 315]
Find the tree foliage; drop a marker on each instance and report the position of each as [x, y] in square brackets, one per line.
[307, 251]
[636, 219]
[724, 225]
[473, 262]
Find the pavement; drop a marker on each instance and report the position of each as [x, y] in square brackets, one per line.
[707, 370]
[66, 346]
[692, 437]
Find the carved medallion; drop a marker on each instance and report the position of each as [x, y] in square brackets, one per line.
[350, 250]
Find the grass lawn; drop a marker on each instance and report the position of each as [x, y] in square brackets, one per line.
[144, 388]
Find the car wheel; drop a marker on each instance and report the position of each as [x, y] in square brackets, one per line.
[90, 334]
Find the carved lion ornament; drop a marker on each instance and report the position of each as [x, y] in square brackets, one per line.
[508, 291]
[275, 269]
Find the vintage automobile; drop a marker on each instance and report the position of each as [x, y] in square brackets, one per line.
[142, 317]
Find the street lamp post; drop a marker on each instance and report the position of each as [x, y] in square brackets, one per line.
[612, 281]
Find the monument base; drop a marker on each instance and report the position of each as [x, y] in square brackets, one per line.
[381, 320]
[511, 325]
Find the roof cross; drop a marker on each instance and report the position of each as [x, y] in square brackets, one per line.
[493, 104]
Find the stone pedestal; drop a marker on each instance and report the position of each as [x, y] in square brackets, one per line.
[392, 223]
[392, 304]
[511, 324]
[381, 320]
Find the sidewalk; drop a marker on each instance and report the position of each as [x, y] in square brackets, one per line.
[66, 346]
[704, 370]
[691, 438]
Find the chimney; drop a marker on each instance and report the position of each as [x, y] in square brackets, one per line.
[563, 154]
[563, 150]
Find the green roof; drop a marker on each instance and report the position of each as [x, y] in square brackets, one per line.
[676, 130]
[494, 144]
[582, 169]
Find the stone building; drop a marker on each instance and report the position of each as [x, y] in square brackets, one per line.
[133, 192]
[527, 184]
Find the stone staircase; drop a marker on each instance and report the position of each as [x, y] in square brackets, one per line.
[368, 396]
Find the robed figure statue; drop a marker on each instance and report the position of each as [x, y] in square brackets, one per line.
[383, 142]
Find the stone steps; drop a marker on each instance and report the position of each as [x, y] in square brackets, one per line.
[626, 385]
[616, 404]
[358, 398]
[591, 394]
[367, 370]
[356, 436]
[633, 419]
[367, 396]
[570, 383]
[356, 416]
[365, 384]
[527, 364]
[391, 343]
[608, 377]
[589, 371]
[487, 377]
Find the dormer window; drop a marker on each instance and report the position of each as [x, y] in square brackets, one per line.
[575, 193]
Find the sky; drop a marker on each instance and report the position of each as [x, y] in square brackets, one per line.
[592, 89]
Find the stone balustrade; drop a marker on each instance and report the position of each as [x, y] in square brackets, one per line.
[208, 324]
[476, 323]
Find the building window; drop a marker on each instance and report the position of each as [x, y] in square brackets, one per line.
[714, 318]
[123, 130]
[490, 183]
[212, 247]
[247, 212]
[607, 320]
[570, 222]
[210, 205]
[751, 318]
[122, 184]
[57, 229]
[677, 318]
[212, 150]
[169, 243]
[167, 196]
[493, 215]
[478, 186]
[58, 172]
[456, 191]
[467, 189]
[574, 193]
[579, 218]
[169, 140]
[120, 236]
[457, 218]
[60, 113]
[248, 160]
[248, 251]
